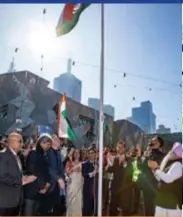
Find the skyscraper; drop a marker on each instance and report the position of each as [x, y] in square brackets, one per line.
[109, 109]
[144, 117]
[95, 104]
[68, 83]
[162, 129]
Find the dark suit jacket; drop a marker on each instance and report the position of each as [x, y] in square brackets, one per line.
[88, 186]
[10, 181]
[56, 169]
[37, 165]
[90, 189]
[118, 171]
[147, 179]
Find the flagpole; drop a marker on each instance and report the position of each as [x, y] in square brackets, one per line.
[42, 55]
[101, 118]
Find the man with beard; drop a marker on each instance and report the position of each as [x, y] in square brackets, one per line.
[169, 176]
[147, 181]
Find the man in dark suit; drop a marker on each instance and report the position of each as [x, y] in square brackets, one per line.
[57, 174]
[89, 172]
[118, 167]
[11, 178]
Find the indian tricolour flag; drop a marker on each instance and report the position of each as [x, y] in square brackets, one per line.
[64, 127]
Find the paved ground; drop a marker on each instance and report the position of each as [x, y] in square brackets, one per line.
[140, 211]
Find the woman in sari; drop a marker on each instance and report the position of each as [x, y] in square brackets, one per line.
[75, 185]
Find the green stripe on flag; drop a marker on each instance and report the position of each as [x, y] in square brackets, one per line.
[64, 114]
[65, 26]
[70, 132]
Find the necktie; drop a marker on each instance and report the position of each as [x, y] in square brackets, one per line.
[19, 163]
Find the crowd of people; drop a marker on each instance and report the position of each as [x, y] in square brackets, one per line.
[48, 177]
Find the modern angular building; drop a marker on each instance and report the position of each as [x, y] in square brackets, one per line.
[69, 84]
[128, 132]
[144, 117]
[27, 102]
[94, 103]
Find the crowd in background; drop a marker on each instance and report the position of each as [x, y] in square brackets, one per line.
[48, 177]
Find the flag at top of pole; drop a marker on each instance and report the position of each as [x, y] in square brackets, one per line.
[69, 18]
[64, 127]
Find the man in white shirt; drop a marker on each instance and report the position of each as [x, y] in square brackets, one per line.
[169, 175]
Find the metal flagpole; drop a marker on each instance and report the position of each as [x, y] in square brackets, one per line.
[101, 119]
[42, 55]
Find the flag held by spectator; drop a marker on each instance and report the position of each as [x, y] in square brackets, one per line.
[69, 18]
[64, 127]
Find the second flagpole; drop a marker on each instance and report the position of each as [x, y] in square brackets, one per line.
[101, 118]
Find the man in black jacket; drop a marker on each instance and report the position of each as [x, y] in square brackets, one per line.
[57, 174]
[35, 194]
[11, 178]
[119, 167]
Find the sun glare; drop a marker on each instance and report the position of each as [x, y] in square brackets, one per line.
[42, 39]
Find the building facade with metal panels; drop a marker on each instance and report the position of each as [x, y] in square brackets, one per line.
[26, 101]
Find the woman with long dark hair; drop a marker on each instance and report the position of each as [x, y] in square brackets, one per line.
[75, 185]
[169, 174]
[36, 164]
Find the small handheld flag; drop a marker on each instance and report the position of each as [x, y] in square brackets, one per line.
[64, 127]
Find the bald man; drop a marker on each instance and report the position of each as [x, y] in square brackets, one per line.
[11, 177]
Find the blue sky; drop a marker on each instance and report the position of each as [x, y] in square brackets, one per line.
[142, 39]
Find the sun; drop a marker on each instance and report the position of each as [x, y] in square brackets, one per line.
[42, 38]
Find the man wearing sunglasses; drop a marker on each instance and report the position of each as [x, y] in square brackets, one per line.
[11, 177]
